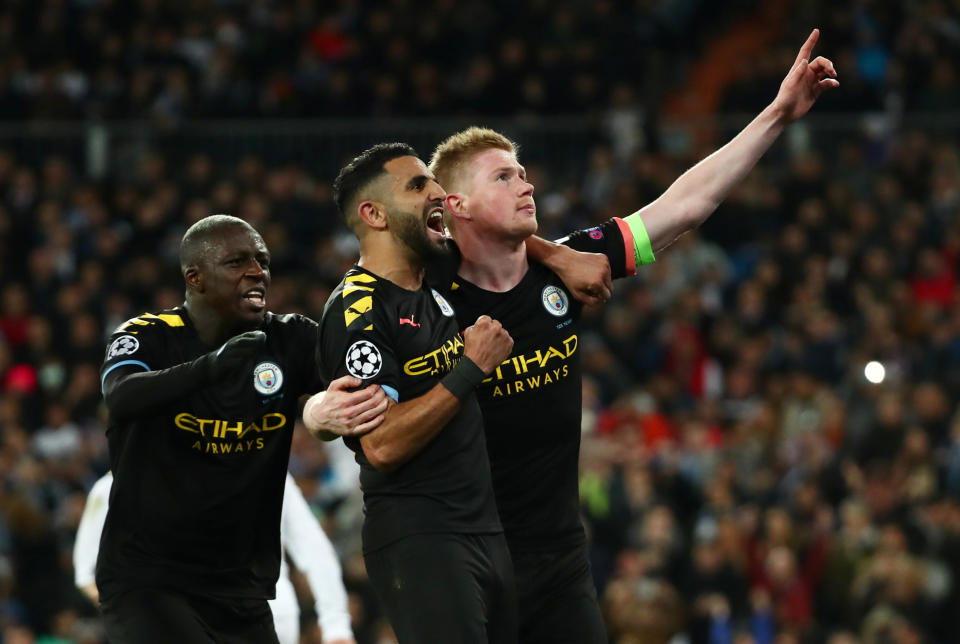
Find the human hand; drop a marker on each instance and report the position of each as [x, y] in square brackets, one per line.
[587, 275]
[805, 82]
[487, 343]
[341, 411]
[234, 353]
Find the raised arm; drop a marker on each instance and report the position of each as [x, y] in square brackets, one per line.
[128, 389]
[409, 426]
[699, 190]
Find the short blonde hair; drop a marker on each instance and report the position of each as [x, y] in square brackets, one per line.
[454, 153]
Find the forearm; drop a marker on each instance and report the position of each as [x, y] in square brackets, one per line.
[126, 394]
[699, 190]
[409, 427]
[543, 251]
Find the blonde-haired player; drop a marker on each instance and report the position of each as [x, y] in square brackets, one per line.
[532, 403]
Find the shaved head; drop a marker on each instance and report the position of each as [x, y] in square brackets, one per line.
[200, 238]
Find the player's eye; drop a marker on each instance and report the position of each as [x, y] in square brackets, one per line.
[503, 176]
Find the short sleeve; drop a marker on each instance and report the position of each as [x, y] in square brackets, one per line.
[356, 338]
[137, 344]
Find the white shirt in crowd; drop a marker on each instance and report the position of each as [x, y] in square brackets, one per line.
[303, 541]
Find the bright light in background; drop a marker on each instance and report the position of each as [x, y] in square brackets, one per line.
[874, 372]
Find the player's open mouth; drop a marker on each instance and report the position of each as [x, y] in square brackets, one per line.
[435, 222]
[255, 296]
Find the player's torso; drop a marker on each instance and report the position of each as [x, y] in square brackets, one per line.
[407, 341]
[235, 421]
[199, 481]
[544, 365]
[531, 403]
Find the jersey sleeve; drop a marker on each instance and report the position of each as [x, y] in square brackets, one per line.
[136, 345]
[624, 241]
[357, 338]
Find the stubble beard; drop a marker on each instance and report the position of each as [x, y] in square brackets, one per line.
[410, 230]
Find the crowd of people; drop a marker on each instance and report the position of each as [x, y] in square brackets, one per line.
[171, 61]
[203, 58]
[742, 478]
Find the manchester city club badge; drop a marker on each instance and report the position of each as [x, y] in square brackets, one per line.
[445, 307]
[555, 300]
[267, 378]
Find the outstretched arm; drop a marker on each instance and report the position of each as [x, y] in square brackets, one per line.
[699, 190]
[128, 390]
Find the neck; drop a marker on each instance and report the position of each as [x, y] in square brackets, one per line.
[492, 264]
[212, 329]
[383, 256]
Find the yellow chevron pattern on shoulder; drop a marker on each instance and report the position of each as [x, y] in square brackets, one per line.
[359, 277]
[356, 309]
[147, 319]
[172, 319]
[358, 291]
[353, 288]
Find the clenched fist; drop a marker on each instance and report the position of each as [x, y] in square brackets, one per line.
[234, 353]
[487, 343]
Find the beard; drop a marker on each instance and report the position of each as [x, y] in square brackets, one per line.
[410, 230]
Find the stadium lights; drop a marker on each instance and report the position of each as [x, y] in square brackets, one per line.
[874, 372]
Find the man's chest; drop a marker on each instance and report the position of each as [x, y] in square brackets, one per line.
[428, 343]
[541, 319]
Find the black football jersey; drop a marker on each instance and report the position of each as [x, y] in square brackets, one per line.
[406, 341]
[532, 402]
[199, 482]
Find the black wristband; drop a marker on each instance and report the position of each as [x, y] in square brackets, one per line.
[464, 378]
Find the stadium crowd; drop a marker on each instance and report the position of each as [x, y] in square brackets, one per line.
[742, 479]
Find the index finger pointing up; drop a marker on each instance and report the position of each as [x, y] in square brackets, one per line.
[807, 48]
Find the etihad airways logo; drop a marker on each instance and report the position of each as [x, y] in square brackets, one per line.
[524, 373]
[437, 362]
[229, 437]
[215, 428]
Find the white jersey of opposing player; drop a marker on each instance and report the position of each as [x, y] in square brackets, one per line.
[302, 539]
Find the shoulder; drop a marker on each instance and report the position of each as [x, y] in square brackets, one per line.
[357, 302]
[170, 319]
[145, 330]
[289, 321]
